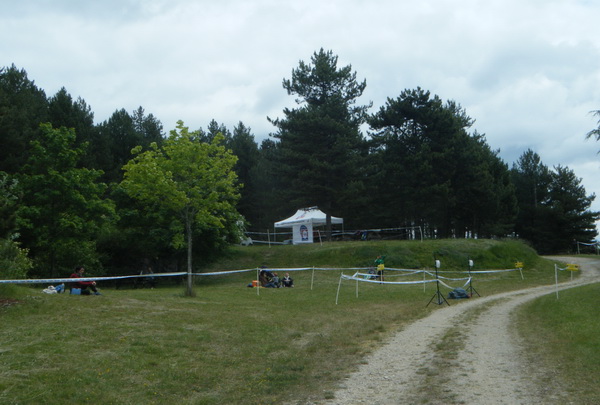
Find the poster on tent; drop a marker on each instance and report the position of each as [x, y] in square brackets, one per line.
[303, 233]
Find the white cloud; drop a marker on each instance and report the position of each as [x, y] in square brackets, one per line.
[528, 71]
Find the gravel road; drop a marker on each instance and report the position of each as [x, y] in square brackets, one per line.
[464, 353]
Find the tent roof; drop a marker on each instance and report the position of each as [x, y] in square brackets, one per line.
[305, 216]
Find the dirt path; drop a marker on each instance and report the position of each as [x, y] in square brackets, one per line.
[464, 353]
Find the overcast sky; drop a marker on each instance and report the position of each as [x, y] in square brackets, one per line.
[527, 71]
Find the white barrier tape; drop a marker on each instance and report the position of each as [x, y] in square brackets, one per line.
[404, 274]
[338, 268]
[452, 288]
[292, 269]
[447, 278]
[566, 268]
[354, 277]
[71, 280]
[491, 271]
[218, 273]
[76, 280]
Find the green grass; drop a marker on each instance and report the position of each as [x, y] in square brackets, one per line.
[229, 344]
[565, 333]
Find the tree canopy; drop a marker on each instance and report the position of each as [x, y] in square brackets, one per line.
[71, 192]
[320, 146]
[188, 177]
[62, 209]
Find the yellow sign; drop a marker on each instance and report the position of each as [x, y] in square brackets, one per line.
[519, 265]
[572, 267]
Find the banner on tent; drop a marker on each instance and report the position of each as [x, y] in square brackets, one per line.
[303, 233]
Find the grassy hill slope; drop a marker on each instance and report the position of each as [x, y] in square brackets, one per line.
[230, 343]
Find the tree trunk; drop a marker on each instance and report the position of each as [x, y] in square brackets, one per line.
[188, 230]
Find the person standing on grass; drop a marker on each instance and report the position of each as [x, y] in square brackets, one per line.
[84, 285]
[380, 263]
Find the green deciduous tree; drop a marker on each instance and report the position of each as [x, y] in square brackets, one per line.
[9, 197]
[14, 262]
[193, 179]
[62, 209]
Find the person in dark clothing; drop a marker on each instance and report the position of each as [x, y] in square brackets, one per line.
[274, 283]
[265, 276]
[287, 281]
[83, 285]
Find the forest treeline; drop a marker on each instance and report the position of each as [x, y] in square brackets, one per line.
[66, 200]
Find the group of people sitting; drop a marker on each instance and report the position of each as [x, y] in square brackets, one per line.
[269, 279]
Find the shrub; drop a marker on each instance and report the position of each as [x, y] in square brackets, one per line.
[14, 262]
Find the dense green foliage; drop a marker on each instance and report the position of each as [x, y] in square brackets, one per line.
[414, 162]
[62, 210]
[190, 178]
[320, 145]
[435, 174]
[554, 210]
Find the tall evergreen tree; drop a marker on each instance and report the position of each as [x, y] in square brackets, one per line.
[265, 188]
[212, 130]
[23, 106]
[245, 148]
[570, 207]
[532, 183]
[554, 209]
[433, 173]
[595, 133]
[116, 137]
[148, 127]
[320, 143]
[64, 112]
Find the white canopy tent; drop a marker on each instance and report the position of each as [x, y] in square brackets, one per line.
[303, 221]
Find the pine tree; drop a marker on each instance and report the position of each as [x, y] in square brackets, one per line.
[320, 145]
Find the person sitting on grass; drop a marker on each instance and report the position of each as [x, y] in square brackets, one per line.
[274, 283]
[287, 281]
[83, 285]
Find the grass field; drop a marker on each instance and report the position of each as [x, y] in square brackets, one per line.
[565, 333]
[228, 344]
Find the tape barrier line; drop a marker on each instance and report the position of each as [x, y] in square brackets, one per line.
[220, 273]
[355, 278]
[491, 271]
[75, 280]
[451, 288]
[361, 277]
